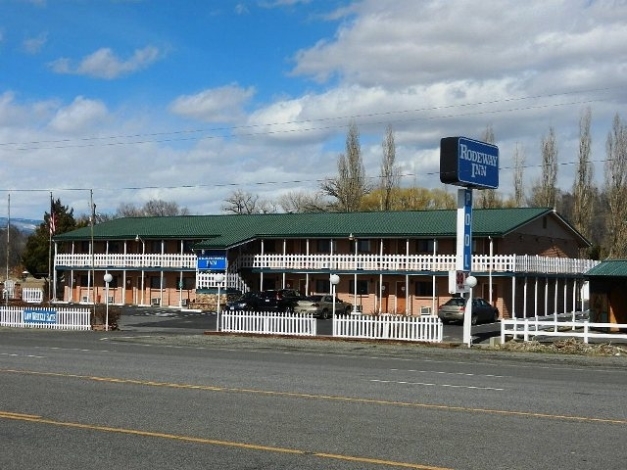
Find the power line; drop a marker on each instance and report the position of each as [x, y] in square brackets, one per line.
[232, 131]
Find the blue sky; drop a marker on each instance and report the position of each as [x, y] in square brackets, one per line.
[188, 101]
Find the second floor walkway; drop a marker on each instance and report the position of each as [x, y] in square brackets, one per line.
[392, 263]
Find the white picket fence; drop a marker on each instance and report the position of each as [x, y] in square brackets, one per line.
[531, 328]
[425, 328]
[268, 323]
[50, 318]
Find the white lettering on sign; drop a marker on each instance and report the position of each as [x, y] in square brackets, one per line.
[479, 160]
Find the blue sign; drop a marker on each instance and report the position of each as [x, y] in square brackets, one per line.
[40, 316]
[211, 263]
[469, 163]
[467, 251]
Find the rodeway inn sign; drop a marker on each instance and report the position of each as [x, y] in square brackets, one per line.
[469, 163]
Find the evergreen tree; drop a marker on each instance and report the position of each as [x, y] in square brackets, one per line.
[36, 256]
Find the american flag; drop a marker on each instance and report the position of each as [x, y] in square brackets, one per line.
[52, 221]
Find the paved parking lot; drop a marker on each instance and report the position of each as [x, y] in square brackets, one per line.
[167, 320]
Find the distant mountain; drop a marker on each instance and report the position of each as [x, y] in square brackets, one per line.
[23, 225]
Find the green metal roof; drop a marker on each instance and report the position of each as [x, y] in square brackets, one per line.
[609, 268]
[223, 231]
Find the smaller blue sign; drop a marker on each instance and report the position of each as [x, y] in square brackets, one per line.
[467, 252]
[211, 263]
[40, 316]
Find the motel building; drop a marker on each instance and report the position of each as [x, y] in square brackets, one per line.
[525, 260]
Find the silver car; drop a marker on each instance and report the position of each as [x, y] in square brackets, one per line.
[482, 311]
[321, 306]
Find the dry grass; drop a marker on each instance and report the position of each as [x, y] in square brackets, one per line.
[567, 346]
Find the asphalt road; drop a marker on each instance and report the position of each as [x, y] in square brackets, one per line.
[146, 398]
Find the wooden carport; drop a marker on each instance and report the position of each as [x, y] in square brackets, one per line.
[608, 291]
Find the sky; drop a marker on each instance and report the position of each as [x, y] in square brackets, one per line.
[127, 101]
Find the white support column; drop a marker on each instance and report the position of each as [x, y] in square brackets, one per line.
[490, 269]
[535, 302]
[380, 293]
[261, 273]
[525, 299]
[433, 278]
[283, 278]
[513, 296]
[180, 283]
[546, 295]
[161, 275]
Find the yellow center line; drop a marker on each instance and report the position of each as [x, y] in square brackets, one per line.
[371, 401]
[216, 442]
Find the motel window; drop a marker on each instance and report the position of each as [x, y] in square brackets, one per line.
[189, 283]
[426, 245]
[424, 289]
[325, 246]
[363, 246]
[154, 246]
[362, 287]
[114, 282]
[114, 247]
[155, 282]
[269, 246]
[323, 286]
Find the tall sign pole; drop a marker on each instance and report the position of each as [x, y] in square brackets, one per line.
[470, 164]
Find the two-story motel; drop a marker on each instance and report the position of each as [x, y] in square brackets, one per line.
[525, 259]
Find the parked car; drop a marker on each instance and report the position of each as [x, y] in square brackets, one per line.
[280, 300]
[321, 306]
[247, 302]
[482, 311]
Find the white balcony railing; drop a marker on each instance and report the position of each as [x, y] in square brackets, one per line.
[126, 261]
[336, 262]
[430, 263]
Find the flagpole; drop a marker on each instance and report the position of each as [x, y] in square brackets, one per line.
[6, 292]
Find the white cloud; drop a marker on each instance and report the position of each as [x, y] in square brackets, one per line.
[35, 44]
[224, 104]
[82, 114]
[106, 65]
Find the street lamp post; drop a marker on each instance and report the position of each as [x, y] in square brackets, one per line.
[139, 239]
[471, 281]
[334, 279]
[219, 278]
[107, 279]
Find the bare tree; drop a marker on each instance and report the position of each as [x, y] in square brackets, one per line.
[616, 189]
[298, 202]
[350, 185]
[544, 193]
[519, 188]
[488, 197]
[390, 175]
[583, 194]
[241, 202]
[152, 208]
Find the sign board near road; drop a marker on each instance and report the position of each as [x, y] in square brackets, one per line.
[40, 316]
[469, 163]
